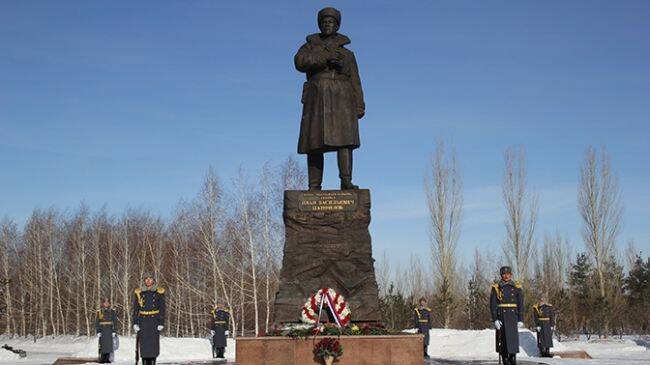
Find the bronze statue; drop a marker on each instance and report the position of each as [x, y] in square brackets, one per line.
[332, 100]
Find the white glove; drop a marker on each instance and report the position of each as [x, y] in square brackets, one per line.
[552, 328]
[212, 333]
[539, 329]
[114, 334]
[497, 324]
[520, 324]
[227, 333]
[160, 328]
[99, 335]
[136, 328]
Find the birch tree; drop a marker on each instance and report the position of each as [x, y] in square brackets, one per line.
[521, 213]
[600, 207]
[445, 201]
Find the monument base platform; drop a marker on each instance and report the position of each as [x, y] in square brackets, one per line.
[358, 350]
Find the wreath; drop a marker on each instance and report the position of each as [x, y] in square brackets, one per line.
[326, 297]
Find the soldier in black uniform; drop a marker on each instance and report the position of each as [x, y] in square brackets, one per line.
[507, 309]
[423, 322]
[106, 329]
[219, 330]
[149, 319]
[544, 318]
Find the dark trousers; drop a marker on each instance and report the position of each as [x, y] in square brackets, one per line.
[218, 352]
[315, 162]
[149, 361]
[508, 359]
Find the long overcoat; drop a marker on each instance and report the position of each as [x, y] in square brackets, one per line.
[220, 318]
[149, 313]
[507, 306]
[106, 324]
[423, 321]
[544, 318]
[332, 96]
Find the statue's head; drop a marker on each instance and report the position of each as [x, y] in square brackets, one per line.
[329, 21]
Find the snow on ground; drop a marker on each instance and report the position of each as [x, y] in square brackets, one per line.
[479, 345]
[8, 356]
[445, 344]
[47, 350]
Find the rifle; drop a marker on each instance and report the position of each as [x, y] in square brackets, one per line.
[497, 340]
[137, 347]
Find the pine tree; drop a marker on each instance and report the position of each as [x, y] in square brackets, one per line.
[580, 285]
[637, 290]
[477, 304]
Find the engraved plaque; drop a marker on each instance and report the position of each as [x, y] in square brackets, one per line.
[328, 201]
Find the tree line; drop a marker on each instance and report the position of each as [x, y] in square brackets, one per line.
[593, 291]
[226, 244]
[223, 245]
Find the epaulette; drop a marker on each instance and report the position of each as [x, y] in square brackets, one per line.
[160, 290]
[427, 308]
[495, 286]
[517, 285]
[138, 290]
[226, 310]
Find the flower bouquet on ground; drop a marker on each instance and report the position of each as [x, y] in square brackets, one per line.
[329, 349]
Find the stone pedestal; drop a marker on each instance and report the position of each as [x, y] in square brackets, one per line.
[327, 245]
[357, 350]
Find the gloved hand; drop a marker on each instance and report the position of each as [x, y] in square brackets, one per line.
[520, 324]
[552, 328]
[227, 333]
[212, 333]
[497, 324]
[160, 328]
[99, 335]
[136, 328]
[114, 334]
[539, 329]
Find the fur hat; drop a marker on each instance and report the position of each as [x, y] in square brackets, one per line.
[329, 12]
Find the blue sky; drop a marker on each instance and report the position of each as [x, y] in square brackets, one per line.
[128, 103]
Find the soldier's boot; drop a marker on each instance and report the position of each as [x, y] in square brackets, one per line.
[214, 352]
[315, 170]
[513, 359]
[344, 157]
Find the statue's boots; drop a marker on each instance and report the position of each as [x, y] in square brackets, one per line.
[344, 156]
[315, 170]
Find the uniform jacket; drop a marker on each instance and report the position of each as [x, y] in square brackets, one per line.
[149, 313]
[220, 320]
[423, 321]
[106, 324]
[507, 306]
[544, 317]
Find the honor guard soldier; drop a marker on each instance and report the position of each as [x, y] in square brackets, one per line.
[507, 309]
[106, 329]
[423, 322]
[544, 318]
[148, 319]
[219, 330]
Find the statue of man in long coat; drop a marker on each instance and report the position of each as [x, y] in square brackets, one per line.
[332, 100]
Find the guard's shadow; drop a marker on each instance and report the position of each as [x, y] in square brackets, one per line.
[528, 343]
[643, 341]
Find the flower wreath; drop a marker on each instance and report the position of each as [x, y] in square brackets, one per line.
[337, 305]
